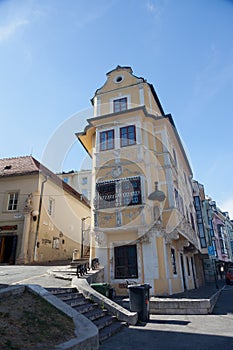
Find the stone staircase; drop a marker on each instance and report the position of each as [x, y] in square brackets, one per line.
[104, 321]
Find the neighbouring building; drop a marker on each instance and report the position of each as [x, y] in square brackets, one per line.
[80, 180]
[143, 218]
[41, 217]
[221, 241]
[204, 215]
[214, 233]
[229, 231]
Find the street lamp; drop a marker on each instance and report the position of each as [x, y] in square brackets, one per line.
[82, 232]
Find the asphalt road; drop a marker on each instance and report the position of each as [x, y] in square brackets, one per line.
[19, 274]
[181, 332]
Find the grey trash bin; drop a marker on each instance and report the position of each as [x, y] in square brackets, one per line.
[139, 300]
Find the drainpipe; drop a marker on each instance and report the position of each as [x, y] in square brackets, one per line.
[38, 219]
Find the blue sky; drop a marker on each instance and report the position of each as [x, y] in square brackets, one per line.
[54, 54]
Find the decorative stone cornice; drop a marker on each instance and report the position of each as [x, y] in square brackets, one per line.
[186, 230]
[170, 236]
[100, 238]
[28, 205]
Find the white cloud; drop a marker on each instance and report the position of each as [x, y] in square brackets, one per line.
[16, 16]
[155, 10]
[214, 76]
[87, 19]
[150, 7]
[8, 30]
[11, 28]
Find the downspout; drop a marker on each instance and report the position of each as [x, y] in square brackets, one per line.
[38, 219]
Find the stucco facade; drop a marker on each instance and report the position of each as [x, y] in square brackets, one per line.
[133, 145]
[80, 180]
[40, 216]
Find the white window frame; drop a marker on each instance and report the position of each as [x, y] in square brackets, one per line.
[128, 97]
[116, 129]
[15, 200]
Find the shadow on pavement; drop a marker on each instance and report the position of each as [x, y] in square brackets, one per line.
[224, 305]
[137, 339]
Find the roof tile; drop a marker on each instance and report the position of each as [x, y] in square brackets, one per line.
[17, 166]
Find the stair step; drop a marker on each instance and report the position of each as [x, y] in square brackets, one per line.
[70, 296]
[95, 314]
[85, 307]
[57, 291]
[104, 321]
[76, 302]
[108, 331]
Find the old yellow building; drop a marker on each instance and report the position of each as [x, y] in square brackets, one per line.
[41, 217]
[143, 215]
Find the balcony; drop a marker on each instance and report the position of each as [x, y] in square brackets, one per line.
[174, 223]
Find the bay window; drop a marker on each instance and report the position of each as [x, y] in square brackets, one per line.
[117, 193]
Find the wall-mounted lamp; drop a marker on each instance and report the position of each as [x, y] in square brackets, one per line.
[35, 214]
[157, 195]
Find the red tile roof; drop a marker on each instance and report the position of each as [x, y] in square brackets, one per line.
[17, 166]
[28, 165]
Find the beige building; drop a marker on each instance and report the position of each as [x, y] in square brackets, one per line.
[41, 217]
[140, 233]
[80, 180]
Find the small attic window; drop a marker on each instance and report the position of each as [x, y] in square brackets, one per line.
[118, 79]
[7, 167]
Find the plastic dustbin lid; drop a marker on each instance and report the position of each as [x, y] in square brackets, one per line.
[139, 286]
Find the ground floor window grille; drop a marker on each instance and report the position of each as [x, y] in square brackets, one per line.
[118, 193]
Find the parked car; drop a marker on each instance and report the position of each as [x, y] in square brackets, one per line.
[229, 276]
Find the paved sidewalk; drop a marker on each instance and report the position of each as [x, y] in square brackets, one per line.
[204, 292]
[182, 332]
[67, 272]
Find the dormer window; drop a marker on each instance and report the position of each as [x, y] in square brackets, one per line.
[120, 105]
